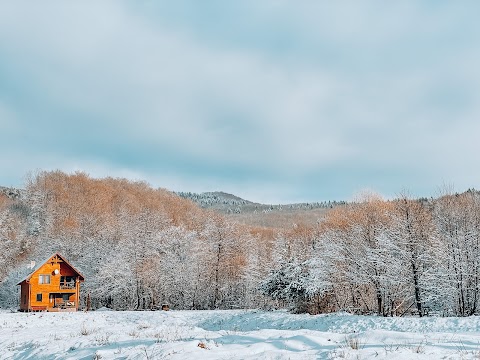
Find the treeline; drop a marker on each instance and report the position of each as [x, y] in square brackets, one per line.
[386, 257]
[139, 247]
[210, 199]
[230, 204]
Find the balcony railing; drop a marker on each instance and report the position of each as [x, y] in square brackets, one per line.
[64, 304]
[67, 285]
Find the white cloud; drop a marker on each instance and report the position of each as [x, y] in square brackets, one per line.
[168, 87]
[149, 84]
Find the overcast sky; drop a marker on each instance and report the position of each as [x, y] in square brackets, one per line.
[275, 101]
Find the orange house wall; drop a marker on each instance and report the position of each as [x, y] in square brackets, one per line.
[54, 286]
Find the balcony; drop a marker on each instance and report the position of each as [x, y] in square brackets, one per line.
[60, 306]
[65, 285]
[64, 304]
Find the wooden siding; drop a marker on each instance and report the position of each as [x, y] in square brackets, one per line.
[44, 289]
[50, 296]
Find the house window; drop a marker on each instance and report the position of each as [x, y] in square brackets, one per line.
[66, 297]
[44, 279]
[39, 297]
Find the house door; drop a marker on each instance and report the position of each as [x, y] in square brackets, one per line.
[55, 299]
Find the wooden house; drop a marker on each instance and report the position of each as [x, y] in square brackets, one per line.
[53, 286]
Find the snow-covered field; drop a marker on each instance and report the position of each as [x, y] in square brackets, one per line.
[233, 335]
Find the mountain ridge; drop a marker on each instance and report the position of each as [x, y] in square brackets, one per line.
[232, 204]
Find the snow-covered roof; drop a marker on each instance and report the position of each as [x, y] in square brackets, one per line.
[47, 260]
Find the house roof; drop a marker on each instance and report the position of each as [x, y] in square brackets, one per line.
[44, 262]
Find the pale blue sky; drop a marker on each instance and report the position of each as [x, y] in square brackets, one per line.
[275, 101]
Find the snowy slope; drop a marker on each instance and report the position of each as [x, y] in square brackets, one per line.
[233, 335]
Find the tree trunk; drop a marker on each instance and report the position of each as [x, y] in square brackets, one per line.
[417, 290]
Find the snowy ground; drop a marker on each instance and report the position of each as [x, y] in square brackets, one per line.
[233, 335]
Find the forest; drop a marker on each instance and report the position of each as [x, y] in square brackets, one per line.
[139, 247]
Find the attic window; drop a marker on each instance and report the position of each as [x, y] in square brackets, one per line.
[44, 279]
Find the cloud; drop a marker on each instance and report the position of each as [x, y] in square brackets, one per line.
[273, 95]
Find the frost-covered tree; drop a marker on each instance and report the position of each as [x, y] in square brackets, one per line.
[177, 272]
[224, 254]
[412, 232]
[367, 273]
[457, 219]
[288, 283]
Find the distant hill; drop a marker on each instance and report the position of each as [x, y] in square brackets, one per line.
[221, 201]
[231, 204]
[266, 215]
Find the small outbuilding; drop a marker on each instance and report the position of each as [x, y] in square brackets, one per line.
[53, 286]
